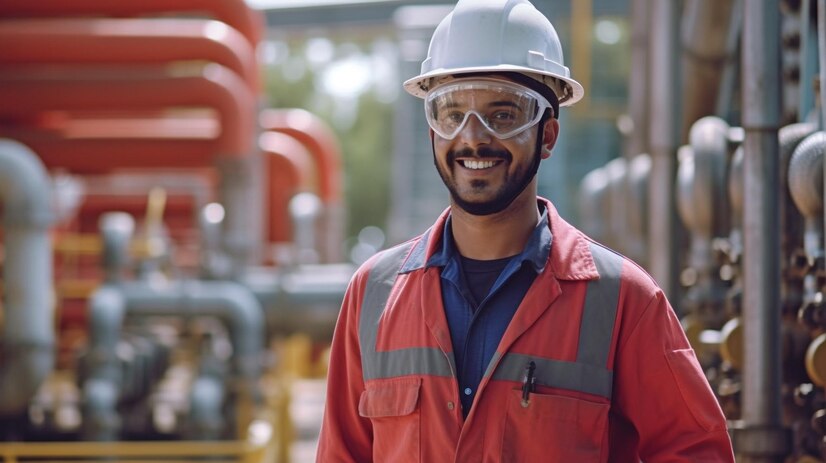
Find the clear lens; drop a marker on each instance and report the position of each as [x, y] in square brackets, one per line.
[504, 108]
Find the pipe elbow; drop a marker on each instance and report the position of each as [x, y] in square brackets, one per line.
[24, 186]
[806, 175]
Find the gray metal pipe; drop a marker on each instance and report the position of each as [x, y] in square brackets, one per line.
[28, 338]
[705, 29]
[663, 228]
[639, 176]
[760, 437]
[638, 106]
[806, 188]
[231, 302]
[593, 204]
[821, 46]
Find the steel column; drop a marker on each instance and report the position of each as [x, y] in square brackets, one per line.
[662, 227]
[760, 437]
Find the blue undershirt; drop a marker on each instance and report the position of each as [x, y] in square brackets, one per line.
[477, 317]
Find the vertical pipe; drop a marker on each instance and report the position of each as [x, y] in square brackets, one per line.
[638, 85]
[808, 61]
[761, 438]
[821, 45]
[662, 226]
[27, 338]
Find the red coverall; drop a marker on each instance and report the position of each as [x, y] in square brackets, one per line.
[616, 380]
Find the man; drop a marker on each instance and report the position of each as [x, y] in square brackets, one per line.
[503, 334]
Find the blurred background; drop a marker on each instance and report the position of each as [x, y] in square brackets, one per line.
[188, 185]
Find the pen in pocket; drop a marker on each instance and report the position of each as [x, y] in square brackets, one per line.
[528, 383]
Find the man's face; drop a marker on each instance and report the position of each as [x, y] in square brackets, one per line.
[483, 173]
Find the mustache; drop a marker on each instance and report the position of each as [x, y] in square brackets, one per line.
[484, 152]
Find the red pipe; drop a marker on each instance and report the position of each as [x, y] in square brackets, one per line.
[291, 171]
[126, 41]
[249, 22]
[25, 94]
[318, 138]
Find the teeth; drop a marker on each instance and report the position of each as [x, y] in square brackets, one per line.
[478, 164]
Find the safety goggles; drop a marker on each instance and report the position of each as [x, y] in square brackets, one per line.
[504, 108]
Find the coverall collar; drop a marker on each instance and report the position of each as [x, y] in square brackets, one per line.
[570, 254]
[536, 250]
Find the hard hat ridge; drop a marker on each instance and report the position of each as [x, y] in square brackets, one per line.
[496, 36]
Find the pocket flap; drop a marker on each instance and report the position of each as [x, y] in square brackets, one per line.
[397, 397]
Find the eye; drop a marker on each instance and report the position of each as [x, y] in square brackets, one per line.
[503, 118]
[453, 117]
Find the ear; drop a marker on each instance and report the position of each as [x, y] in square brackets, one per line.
[550, 132]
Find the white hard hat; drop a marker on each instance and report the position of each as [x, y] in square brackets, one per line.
[496, 36]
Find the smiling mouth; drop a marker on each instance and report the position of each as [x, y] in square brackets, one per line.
[473, 164]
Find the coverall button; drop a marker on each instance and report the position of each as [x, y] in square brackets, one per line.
[468, 391]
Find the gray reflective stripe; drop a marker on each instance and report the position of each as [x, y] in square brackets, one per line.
[590, 373]
[429, 361]
[599, 311]
[419, 360]
[557, 373]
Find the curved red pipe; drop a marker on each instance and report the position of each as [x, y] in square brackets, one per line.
[320, 141]
[216, 87]
[290, 168]
[236, 13]
[126, 41]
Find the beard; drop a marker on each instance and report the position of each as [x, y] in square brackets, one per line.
[512, 186]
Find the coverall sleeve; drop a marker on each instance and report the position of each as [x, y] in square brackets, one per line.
[346, 436]
[662, 391]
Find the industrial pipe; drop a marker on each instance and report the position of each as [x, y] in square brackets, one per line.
[214, 86]
[638, 82]
[126, 42]
[321, 142]
[806, 188]
[28, 93]
[593, 206]
[617, 219]
[291, 171]
[700, 185]
[821, 43]
[28, 339]
[249, 22]
[638, 179]
[663, 229]
[112, 303]
[701, 181]
[706, 52]
[792, 236]
[760, 436]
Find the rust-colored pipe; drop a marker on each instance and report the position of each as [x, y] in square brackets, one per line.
[249, 22]
[126, 41]
[291, 170]
[29, 93]
[321, 142]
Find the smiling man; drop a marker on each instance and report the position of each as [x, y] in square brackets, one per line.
[502, 333]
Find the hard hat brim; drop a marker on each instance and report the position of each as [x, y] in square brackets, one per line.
[419, 86]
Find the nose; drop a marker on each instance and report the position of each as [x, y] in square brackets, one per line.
[474, 132]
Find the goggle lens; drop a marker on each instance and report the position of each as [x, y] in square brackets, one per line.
[504, 108]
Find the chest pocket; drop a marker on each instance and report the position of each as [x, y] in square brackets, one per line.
[393, 408]
[555, 429]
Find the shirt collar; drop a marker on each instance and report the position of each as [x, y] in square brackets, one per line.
[536, 250]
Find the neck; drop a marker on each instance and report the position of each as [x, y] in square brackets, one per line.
[498, 235]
